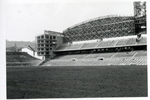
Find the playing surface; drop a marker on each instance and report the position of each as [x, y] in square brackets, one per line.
[76, 82]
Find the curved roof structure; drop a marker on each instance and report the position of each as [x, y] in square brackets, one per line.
[102, 27]
[101, 18]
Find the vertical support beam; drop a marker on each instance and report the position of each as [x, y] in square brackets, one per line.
[140, 16]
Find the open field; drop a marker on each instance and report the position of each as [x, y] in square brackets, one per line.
[76, 82]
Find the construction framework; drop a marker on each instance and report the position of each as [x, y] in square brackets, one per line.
[140, 16]
[102, 27]
[94, 29]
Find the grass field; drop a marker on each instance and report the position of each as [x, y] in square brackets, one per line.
[76, 82]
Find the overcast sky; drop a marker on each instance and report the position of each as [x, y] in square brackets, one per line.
[24, 21]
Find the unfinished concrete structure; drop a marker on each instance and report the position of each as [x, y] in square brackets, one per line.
[48, 42]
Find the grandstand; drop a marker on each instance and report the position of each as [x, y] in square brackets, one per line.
[106, 43]
[99, 39]
[124, 50]
[101, 57]
[118, 51]
[114, 48]
[137, 57]
[110, 40]
[21, 59]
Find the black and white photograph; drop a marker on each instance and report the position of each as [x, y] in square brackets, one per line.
[75, 49]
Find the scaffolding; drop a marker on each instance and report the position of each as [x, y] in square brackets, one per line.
[102, 28]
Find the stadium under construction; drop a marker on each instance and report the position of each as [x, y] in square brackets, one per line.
[108, 40]
[100, 57]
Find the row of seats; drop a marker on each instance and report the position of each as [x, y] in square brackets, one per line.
[124, 54]
[104, 55]
[116, 58]
[19, 56]
[17, 64]
[94, 62]
[141, 54]
[76, 56]
[96, 55]
[123, 61]
[29, 63]
[89, 45]
[122, 42]
[85, 56]
[73, 46]
[131, 41]
[109, 43]
[20, 59]
[56, 63]
[102, 44]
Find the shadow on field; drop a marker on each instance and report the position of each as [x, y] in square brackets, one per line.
[76, 82]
